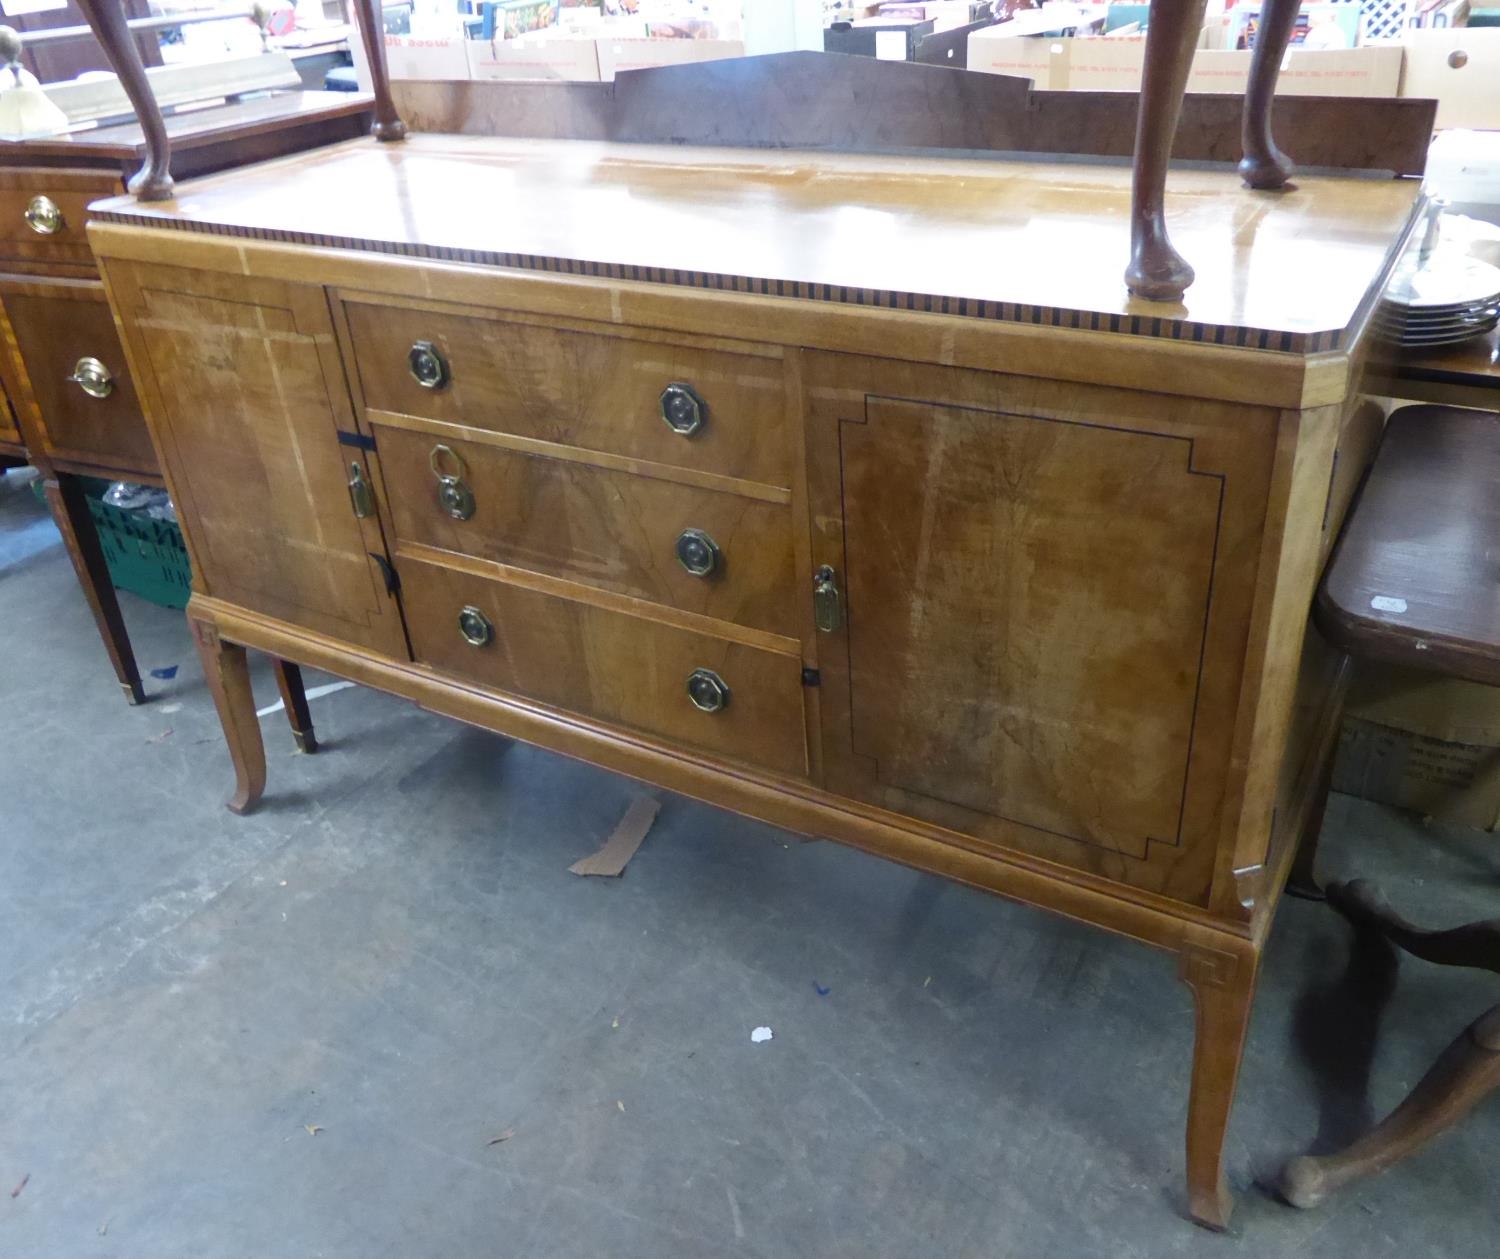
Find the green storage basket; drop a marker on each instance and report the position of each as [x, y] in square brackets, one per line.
[146, 557]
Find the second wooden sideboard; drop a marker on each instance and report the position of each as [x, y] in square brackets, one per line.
[807, 485]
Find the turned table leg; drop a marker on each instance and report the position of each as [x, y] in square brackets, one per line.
[228, 673]
[1156, 270]
[106, 18]
[1466, 1072]
[70, 510]
[294, 700]
[1264, 165]
[1222, 978]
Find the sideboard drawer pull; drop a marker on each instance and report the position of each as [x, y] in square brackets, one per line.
[476, 628]
[360, 497]
[708, 691]
[828, 604]
[90, 375]
[428, 367]
[453, 492]
[698, 553]
[43, 216]
[682, 409]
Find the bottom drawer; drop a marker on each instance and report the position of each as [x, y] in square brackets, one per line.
[613, 666]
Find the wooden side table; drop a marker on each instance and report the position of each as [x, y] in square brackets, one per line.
[1416, 581]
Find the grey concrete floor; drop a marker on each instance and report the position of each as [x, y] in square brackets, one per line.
[299, 1033]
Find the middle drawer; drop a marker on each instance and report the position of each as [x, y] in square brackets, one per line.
[705, 551]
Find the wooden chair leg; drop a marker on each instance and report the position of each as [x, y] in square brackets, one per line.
[70, 509]
[228, 673]
[1264, 165]
[294, 700]
[1156, 270]
[1222, 977]
[1476, 945]
[1464, 1074]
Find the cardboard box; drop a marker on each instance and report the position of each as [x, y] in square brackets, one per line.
[1424, 742]
[555, 58]
[1115, 64]
[616, 55]
[407, 57]
[1459, 68]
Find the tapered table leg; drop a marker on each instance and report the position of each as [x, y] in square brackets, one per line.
[70, 509]
[1264, 165]
[1222, 977]
[294, 700]
[228, 673]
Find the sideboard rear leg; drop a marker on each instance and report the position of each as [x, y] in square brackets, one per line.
[1264, 165]
[294, 700]
[228, 672]
[1156, 270]
[1222, 976]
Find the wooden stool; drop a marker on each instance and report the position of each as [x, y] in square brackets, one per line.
[1416, 581]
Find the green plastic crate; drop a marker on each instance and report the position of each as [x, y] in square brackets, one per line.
[146, 557]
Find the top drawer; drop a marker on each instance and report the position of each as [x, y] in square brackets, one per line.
[588, 390]
[42, 214]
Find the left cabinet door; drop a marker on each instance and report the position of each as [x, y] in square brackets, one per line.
[246, 396]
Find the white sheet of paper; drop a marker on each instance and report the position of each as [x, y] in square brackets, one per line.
[890, 45]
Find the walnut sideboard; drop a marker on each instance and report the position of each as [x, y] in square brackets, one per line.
[850, 493]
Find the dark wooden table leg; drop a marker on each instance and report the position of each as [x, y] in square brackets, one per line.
[228, 673]
[1466, 1072]
[1156, 270]
[106, 18]
[1264, 165]
[294, 699]
[1222, 976]
[1302, 882]
[70, 510]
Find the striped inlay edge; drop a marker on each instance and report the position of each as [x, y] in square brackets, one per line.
[964, 307]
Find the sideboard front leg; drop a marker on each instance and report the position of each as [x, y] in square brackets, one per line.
[1222, 978]
[1156, 270]
[228, 672]
[1264, 165]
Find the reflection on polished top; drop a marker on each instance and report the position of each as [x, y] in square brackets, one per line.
[1030, 241]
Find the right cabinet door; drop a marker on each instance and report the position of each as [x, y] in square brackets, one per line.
[1045, 592]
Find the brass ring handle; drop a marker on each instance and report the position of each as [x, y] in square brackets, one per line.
[708, 691]
[442, 455]
[90, 375]
[478, 630]
[43, 216]
[698, 553]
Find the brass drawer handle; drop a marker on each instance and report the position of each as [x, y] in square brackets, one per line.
[453, 493]
[682, 409]
[428, 367]
[90, 375]
[477, 629]
[43, 216]
[828, 603]
[698, 553]
[708, 691]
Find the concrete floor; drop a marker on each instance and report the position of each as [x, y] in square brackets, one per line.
[299, 1033]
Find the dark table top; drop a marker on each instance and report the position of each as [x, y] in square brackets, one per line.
[1416, 575]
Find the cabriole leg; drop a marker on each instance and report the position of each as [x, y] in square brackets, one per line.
[294, 700]
[1156, 270]
[1221, 974]
[70, 510]
[228, 673]
[1264, 165]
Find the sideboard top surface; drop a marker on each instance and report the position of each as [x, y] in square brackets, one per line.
[1025, 241]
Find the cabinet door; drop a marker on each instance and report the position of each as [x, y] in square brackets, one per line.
[1046, 594]
[246, 396]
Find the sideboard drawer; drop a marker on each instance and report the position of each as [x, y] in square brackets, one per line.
[69, 333]
[592, 391]
[609, 665]
[42, 214]
[720, 555]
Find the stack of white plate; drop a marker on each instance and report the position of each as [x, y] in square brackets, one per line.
[1442, 299]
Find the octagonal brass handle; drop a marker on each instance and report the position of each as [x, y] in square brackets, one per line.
[90, 375]
[682, 409]
[708, 691]
[476, 628]
[698, 553]
[43, 216]
[428, 366]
